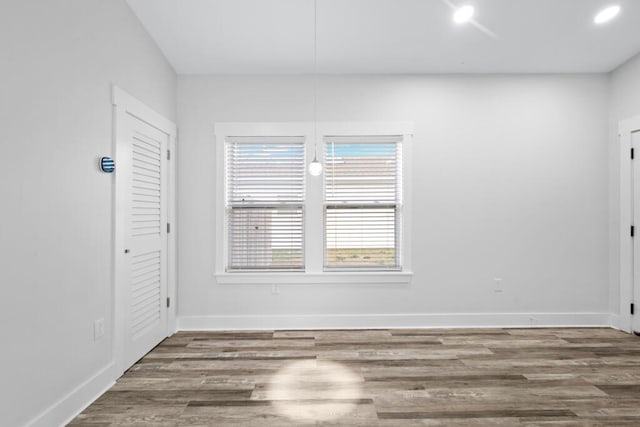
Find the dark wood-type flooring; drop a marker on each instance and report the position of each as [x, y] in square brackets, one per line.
[422, 377]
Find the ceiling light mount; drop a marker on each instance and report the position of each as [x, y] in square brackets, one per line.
[606, 14]
[463, 14]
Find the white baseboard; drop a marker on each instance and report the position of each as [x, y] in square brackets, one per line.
[618, 322]
[419, 320]
[615, 321]
[74, 402]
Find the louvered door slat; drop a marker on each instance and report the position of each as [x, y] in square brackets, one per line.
[146, 168]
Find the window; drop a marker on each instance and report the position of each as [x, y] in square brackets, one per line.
[362, 202]
[273, 219]
[264, 203]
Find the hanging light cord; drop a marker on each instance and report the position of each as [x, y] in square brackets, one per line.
[315, 167]
[315, 80]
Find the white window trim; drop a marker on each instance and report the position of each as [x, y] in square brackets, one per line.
[313, 273]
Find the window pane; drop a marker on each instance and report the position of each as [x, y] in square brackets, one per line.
[363, 173]
[360, 237]
[265, 172]
[265, 238]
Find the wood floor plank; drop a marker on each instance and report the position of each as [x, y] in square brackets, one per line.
[380, 378]
[519, 413]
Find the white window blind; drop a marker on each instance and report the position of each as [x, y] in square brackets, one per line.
[264, 203]
[362, 202]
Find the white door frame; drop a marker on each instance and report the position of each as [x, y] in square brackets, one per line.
[123, 104]
[625, 128]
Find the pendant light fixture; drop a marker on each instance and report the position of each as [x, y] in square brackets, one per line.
[315, 167]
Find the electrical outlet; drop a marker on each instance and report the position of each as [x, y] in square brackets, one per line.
[498, 284]
[275, 289]
[98, 329]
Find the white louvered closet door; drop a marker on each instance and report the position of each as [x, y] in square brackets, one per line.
[146, 239]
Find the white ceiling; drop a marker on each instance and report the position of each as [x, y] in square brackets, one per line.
[390, 36]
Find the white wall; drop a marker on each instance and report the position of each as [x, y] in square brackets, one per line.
[624, 103]
[510, 181]
[59, 59]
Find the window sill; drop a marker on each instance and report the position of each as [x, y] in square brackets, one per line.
[365, 278]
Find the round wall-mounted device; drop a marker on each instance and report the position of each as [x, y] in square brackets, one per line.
[107, 164]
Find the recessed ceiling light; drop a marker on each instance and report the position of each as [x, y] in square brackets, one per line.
[606, 14]
[463, 14]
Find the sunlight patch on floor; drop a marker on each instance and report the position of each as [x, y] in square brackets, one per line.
[308, 391]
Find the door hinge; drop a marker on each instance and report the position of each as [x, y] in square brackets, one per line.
[632, 309]
[168, 302]
[632, 154]
[633, 231]
[168, 154]
[168, 228]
